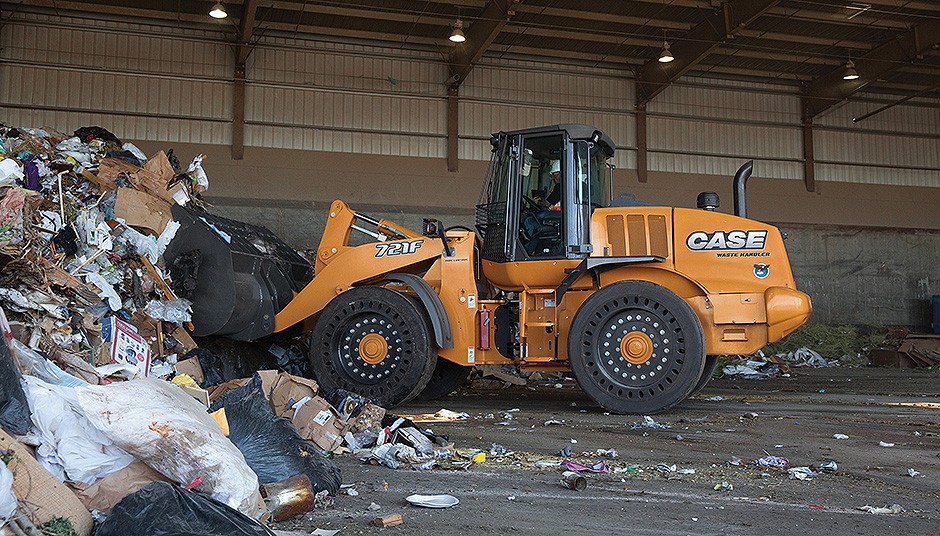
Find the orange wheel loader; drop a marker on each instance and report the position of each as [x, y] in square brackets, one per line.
[636, 300]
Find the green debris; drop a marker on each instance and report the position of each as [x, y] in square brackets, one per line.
[58, 526]
[846, 343]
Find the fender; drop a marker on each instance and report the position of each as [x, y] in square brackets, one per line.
[443, 333]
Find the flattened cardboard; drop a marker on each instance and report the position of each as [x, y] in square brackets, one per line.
[289, 390]
[319, 423]
[142, 210]
[192, 367]
[47, 496]
[107, 492]
[269, 379]
[160, 166]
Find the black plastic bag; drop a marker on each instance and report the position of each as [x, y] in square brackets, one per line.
[125, 156]
[270, 443]
[86, 134]
[210, 364]
[164, 509]
[14, 410]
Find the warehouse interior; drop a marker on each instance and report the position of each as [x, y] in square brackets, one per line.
[299, 102]
[329, 267]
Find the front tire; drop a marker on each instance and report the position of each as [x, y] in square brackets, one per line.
[375, 342]
[636, 348]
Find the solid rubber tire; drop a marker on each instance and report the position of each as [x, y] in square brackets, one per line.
[394, 316]
[447, 377]
[674, 330]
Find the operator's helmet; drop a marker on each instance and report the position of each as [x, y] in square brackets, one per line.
[556, 167]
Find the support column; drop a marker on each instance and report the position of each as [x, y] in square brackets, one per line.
[453, 99]
[641, 162]
[809, 160]
[238, 114]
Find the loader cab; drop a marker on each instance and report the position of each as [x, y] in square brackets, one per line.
[542, 186]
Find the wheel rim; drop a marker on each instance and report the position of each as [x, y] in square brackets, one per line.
[634, 347]
[370, 348]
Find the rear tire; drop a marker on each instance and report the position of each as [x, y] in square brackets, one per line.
[375, 342]
[636, 348]
[711, 362]
[447, 377]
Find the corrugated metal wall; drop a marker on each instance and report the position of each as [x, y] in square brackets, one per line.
[173, 84]
[144, 82]
[510, 95]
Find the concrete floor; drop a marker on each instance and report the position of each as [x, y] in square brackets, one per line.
[796, 419]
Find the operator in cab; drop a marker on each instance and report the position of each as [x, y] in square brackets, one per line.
[554, 196]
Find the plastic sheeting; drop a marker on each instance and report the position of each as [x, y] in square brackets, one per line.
[70, 448]
[168, 430]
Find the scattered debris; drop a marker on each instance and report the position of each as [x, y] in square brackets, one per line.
[433, 501]
[648, 422]
[885, 444]
[840, 436]
[801, 473]
[572, 480]
[388, 521]
[772, 461]
[724, 486]
[913, 473]
[893, 509]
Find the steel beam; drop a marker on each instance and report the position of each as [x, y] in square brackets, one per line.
[242, 50]
[695, 45]
[642, 167]
[453, 101]
[809, 158]
[830, 89]
[480, 36]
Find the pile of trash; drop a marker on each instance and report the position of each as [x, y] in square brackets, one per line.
[112, 418]
[760, 366]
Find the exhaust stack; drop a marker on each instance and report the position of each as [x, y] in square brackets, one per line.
[740, 182]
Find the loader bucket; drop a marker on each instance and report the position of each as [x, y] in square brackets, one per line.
[237, 275]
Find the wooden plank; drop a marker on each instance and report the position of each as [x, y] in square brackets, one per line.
[388, 521]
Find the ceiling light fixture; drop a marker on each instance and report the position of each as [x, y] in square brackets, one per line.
[666, 56]
[457, 35]
[218, 11]
[850, 72]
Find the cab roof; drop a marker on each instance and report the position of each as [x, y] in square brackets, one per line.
[575, 131]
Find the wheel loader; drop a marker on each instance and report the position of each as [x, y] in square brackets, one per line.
[636, 300]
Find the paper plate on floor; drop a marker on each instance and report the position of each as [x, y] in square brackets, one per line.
[433, 501]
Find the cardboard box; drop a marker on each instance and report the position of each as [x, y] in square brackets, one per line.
[269, 379]
[192, 367]
[45, 495]
[126, 345]
[317, 421]
[290, 390]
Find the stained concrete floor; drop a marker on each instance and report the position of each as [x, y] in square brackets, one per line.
[795, 418]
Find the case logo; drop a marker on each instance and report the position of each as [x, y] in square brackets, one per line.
[726, 240]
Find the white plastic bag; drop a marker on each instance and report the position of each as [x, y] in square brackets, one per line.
[170, 431]
[70, 448]
[195, 170]
[7, 499]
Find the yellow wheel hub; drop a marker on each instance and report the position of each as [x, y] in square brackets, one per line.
[636, 347]
[373, 348]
